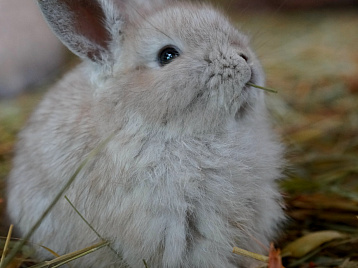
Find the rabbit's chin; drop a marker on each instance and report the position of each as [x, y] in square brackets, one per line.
[215, 118]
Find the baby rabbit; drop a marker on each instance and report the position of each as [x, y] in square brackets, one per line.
[190, 169]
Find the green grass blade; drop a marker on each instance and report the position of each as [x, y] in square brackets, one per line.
[271, 90]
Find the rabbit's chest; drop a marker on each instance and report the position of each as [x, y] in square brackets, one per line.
[188, 170]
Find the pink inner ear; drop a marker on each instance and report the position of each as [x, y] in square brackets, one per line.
[90, 22]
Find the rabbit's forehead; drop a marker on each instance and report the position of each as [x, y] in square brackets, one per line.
[188, 26]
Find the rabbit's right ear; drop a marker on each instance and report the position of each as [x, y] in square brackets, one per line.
[86, 27]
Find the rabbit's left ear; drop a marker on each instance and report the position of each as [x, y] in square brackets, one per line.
[86, 27]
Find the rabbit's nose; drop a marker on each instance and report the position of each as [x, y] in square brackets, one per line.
[241, 66]
[244, 56]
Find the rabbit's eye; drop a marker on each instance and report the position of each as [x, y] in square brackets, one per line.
[167, 54]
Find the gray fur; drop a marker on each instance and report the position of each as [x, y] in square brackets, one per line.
[190, 172]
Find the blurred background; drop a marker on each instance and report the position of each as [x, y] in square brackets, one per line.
[309, 50]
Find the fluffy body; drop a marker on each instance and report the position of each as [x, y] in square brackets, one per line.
[190, 171]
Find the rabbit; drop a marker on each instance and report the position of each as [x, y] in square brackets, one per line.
[191, 166]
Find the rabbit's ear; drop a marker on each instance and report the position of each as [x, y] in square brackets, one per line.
[86, 27]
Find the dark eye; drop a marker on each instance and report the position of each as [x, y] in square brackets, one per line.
[167, 55]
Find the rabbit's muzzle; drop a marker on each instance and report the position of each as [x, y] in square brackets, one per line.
[230, 69]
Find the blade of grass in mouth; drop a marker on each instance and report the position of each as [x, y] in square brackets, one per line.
[263, 88]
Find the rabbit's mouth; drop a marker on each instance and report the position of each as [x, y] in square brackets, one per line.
[228, 88]
[246, 96]
[255, 79]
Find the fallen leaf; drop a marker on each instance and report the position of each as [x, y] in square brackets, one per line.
[309, 242]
